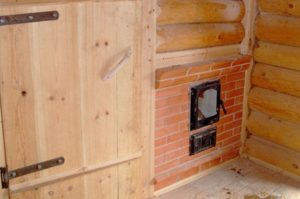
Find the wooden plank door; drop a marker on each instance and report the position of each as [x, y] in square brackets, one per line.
[55, 103]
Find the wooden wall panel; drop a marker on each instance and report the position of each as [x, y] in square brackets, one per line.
[277, 79]
[276, 104]
[277, 55]
[270, 28]
[276, 130]
[199, 11]
[18, 102]
[280, 7]
[274, 155]
[191, 36]
[275, 107]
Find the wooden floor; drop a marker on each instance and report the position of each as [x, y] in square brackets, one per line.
[240, 180]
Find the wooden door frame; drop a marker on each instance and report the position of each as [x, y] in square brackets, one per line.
[148, 91]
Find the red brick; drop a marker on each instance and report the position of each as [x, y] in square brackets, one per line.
[239, 99]
[177, 153]
[166, 166]
[160, 142]
[199, 69]
[237, 130]
[176, 118]
[240, 84]
[164, 83]
[211, 163]
[224, 135]
[225, 119]
[221, 64]
[235, 76]
[228, 86]
[229, 103]
[166, 182]
[232, 69]
[188, 173]
[238, 115]
[172, 72]
[231, 140]
[234, 93]
[209, 75]
[159, 160]
[166, 130]
[233, 109]
[189, 158]
[230, 155]
[159, 124]
[171, 110]
[184, 125]
[170, 147]
[170, 101]
[186, 79]
[242, 60]
[232, 125]
[171, 91]
[177, 136]
[245, 67]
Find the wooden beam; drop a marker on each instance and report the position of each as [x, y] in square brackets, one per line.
[148, 92]
[280, 7]
[248, 23]
[277, 55]
[33, 184]
[193, 56]
[199, 11]
[277, 79]
[279, 105]
[274, 154]
[275, 130]
[193, 36]
[278, 29]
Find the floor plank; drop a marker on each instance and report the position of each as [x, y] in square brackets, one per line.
[242, 179]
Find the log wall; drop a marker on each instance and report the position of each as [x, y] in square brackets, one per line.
[274, 121]
[194, 24]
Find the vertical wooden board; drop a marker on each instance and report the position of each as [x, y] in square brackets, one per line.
[56, 77]
[44, 83]
[98, 98]
[148, 93]
[104, 45]
[17, 97]
[129, 106]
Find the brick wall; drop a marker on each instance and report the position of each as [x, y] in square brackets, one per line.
[172, 160]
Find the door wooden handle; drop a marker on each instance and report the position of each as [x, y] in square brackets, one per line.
[118, 66]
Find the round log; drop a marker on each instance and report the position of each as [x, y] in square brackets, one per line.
[278, 131]
[199, 11]
[277, 79]
[278, 29]
[193, 36]
[279, 105]
[273, 154]
[280, 7]
[277, 55]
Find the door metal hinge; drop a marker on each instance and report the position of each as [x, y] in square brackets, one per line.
[28, 18]
[6, 175]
